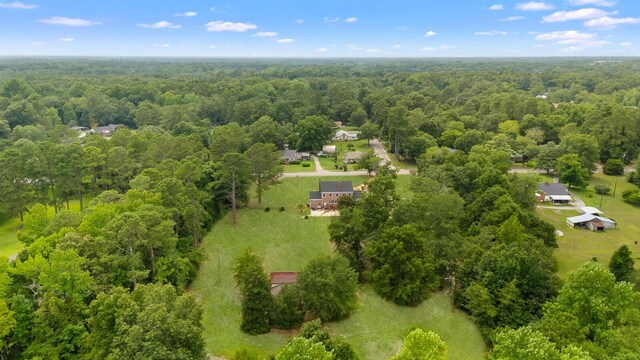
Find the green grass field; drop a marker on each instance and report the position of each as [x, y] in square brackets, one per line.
[9, 244]
[296, 168]
[580, 245]
[287, 242]
[342, 147]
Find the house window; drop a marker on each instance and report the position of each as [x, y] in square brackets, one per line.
[332, 202]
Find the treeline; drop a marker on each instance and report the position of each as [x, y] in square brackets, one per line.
[520, 105]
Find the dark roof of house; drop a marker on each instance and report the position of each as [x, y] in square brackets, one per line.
[283, 277]
[315, 195]
[357, 194]
[289, 154]
[354, 155]
[336, 186]
[554, 189]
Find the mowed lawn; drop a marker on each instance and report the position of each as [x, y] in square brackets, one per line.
[342, 147]
[580, 245]
[287, 242]
[296, 168]
[9, 244]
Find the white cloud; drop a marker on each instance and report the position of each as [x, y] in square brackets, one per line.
[491, 33]
[534, 6]
[265, 34]
[373, 51]
[496, 7]
[284, 41]
[593, 2]
[162, 46]
[566, 36]
[218, 26]
[61, 20]
[513, 18]
[322, 50]
[428, 48]
[17, 5]
[574, 38]
[608, 23]
[582, 14]
[213, 8]
[351, 20]
[299, 21]
[447, 47]
[67, 39]
[430, 33]
[353, 47]
[212, 47]
[188, 14]
[397, 46]
[330, 20]
[160, 25]
[626, 43]
[571, 49]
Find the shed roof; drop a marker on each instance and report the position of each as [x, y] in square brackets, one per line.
[588, 217]
[554, 189]
[590, 210]
[336, 186]
[288, 277]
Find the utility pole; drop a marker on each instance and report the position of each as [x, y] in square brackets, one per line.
[452, 278]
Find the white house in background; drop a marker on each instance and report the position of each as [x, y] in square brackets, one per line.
[591, 222]
[590, 210]
[329, 149]
[343, 135]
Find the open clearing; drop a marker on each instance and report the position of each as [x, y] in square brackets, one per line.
[9, 244]
[287, 242]
[580, 245]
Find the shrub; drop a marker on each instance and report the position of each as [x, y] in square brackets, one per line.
[267, 209]
[634, 178]
[306, 217]
[281, 208]
[532, 164]
[294, 162]
[632, 196]
[613, 167]
[602, 189]
[287, 308]
[306, 165]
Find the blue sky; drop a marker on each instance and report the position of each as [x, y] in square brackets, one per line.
[311, 28]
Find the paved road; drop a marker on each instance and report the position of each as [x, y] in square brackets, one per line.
[380, 151]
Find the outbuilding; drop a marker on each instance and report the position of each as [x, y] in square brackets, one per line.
[591, 222]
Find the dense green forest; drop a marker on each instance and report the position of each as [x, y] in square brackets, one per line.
[201, 138]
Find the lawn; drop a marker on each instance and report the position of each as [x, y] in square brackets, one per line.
[342, 147]
[579, 245]
[9, 244]
[287, 242]
[296, 168]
